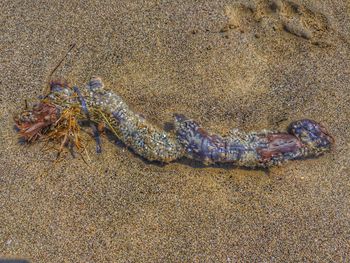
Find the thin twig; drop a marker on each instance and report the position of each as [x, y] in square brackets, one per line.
[59, 64]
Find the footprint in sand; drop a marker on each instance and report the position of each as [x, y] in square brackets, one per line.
[280, 21]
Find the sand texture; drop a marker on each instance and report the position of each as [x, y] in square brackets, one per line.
[246, 64]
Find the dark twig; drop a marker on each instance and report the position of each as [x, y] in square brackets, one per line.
[59, 63]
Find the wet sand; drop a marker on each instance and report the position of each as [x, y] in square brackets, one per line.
[252, 66]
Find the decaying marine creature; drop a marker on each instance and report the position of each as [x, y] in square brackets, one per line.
[60, 112]
[305, 138]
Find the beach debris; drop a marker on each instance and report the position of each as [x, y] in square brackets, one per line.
[304, 139]
[59, 115]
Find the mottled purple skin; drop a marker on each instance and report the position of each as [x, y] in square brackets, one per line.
[208, 148]
[305, 138]
[315, 138]
[199, 144]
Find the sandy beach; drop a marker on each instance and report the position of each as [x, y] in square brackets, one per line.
[227, 64]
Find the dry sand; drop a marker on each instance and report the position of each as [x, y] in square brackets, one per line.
[253, 66]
